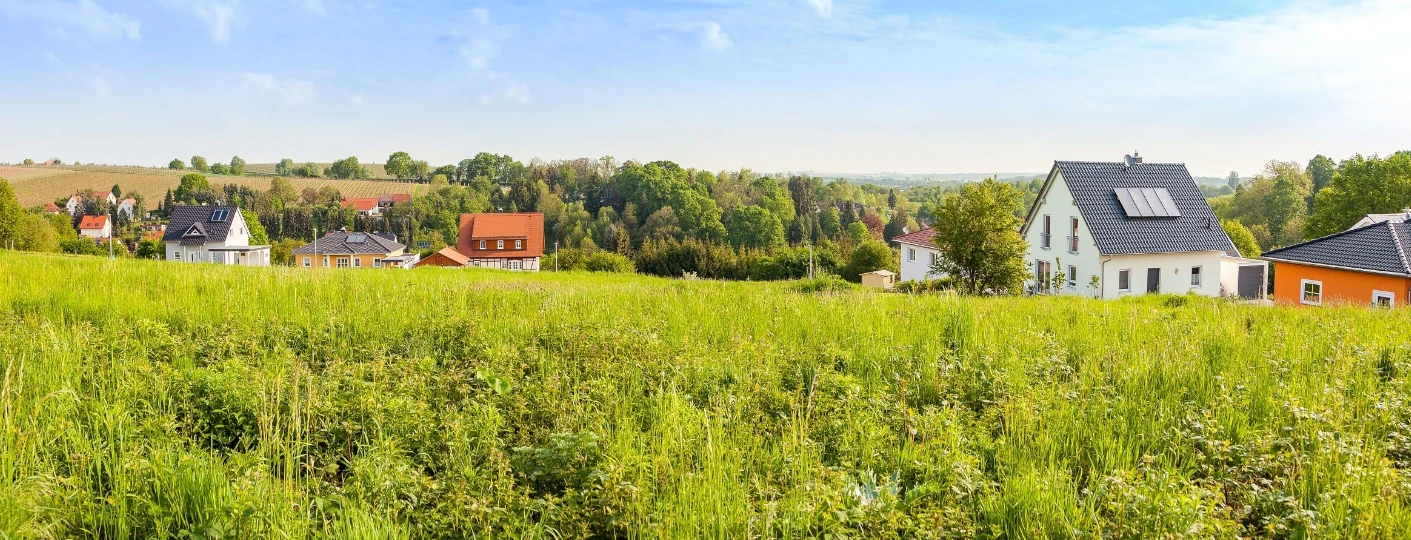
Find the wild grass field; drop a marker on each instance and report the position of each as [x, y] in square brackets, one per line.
[36, 185]
[150, 399]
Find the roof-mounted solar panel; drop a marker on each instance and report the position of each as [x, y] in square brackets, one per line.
[1147, 202]
[357, 238]
[219, 216]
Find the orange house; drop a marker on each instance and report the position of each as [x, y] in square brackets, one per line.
[1369, 265]
[343, 249]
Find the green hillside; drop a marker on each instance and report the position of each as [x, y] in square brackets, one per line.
[148, 399]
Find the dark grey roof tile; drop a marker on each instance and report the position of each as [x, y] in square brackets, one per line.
[1380, 247]
[1094, 185]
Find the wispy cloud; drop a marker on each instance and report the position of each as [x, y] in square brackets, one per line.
[713, 38]
[218, 16]
[291, 91]
[823, 7]
[83, 14]
[315, 6]
[478, 46]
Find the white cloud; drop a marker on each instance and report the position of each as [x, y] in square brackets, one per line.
[218, 16]
[823, 7]
[315, 6]
[83, 14]
[100, 87]
[291, 91]
[713, 38]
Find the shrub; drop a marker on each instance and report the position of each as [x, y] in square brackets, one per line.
[826, 283]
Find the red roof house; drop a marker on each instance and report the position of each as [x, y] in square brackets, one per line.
[364, 205]
[513, 241]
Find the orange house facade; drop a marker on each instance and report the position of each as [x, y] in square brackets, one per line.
[1366, 266]
[509, 241]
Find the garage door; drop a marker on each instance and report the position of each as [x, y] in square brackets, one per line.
[1251, 282]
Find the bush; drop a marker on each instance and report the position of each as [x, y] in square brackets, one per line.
[926, 286]
[868, 257]
[594, 260]
[826, 283]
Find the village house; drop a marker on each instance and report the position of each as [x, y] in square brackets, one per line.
[106, 196]
[74, 205]
[127, 207]
[917, 255]
[510, 241]
[343, 249]
[386, 201]
[96, 227]
[367, 206]
[1369, 265]
[1109, 230]
[215, 234]
[52, 209]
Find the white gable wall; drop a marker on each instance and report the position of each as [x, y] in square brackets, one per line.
[916, 262]
[1058, 205]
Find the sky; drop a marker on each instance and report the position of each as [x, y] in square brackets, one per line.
[847, 86]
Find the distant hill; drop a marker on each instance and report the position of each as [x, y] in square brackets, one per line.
[38, 184]
[907, 179]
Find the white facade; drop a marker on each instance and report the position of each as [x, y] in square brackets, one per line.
[1059, 241]
[105, 232]
[916, 261]
[235, 249]
[525, 264]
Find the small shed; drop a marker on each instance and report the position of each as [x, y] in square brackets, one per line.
[882, 279]
[446, 257]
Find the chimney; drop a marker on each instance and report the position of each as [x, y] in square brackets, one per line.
[1134, 159]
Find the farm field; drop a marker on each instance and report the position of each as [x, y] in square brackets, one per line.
[40, 184]
[149, 399]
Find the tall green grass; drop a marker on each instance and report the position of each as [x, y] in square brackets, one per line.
[147, 399]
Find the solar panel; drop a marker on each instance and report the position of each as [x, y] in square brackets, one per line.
[1147, 202]
[357, 238]
[219, 216]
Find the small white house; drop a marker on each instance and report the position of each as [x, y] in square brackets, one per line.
[917, 255]
[96, 227]
[216, 234]
[1109, 230]
[127, 207]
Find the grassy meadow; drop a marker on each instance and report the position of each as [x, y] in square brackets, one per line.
[36, 185]
[149, 399]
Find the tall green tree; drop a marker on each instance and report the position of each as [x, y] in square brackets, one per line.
[870, 256]
[1233, 180]
[285, 167]
[977, 233]
[11, 216]
[176, 165]
[754, 227]
[1321, 170]
[1363, 185]
[237, 166]
[1242, 238]
[35, 234]
[199, 163]
[399, 165]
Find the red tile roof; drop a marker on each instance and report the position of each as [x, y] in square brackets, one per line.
[918, 238]
[51, 208]
[92, 222]
[446, 257]
[362, 203]
[491, 228]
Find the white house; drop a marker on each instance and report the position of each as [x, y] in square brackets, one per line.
[1110, 230]
[74, 205]
[97, 227]
[1370, 219]
[217, 234]
[127, 207]
[917, 255]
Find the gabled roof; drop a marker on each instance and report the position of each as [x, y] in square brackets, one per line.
[1399, 217]
[919, 238]
[1383, 248]
[528, 227]
[394, 198]
[51, 208]
[92, 222]
[452, 255]
[1094, 186]
[351, 243]
[362, 204]
[184, 217]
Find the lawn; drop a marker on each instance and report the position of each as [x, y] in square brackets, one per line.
[40, 184]
[148, 399]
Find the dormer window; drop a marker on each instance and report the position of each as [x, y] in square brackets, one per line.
[519, 244]
[499, 244]
[482, 244]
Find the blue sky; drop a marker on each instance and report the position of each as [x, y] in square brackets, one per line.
[772, 85]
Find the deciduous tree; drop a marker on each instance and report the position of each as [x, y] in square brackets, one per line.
[977, 233]
[199, 163]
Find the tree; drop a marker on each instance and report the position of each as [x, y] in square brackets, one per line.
[830, 222]
[220, 168]
[892, 198]
[258, 237]
[199, 163]
[870, 256]
[176, 165]
[1243, 239]
[283, 191]
[977, 233]
[1363, 185]
[754, 227]
[36, 234]
[310, 171]
[285, 167]
[28, 161]
[151, 248]
[897, 226]
[346, 168]
[419, 170]
[193, 189]
[1233, 180]
[1321, 170]
[662, 225]
[237, 166]
[282, 252]
[399, 165]
[11, 216]
[117, 191]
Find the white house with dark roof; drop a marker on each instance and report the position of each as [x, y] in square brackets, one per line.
[917, 255]
[1137, 228]
[215, 234]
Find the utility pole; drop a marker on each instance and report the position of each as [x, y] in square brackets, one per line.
[556, 255]
[315, 263]
[810, 261]
[110, 234]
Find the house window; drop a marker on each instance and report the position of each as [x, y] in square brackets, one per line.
[306, 262]
[516, 265]
[933, 258]
[519, 244]
[1312, 292]
[499, 244]
[1195, 276]
[1383, 299]
[482, 244]
[325, 262]
[176, 256]
[1073, 240]
[1072, 277]
[342, 262]
[911, 254]
[1047, 233]
[357, 262]
[1044, 274]
[1124, 281]
[377, 263]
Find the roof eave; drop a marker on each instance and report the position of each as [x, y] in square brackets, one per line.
[1337, 267]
